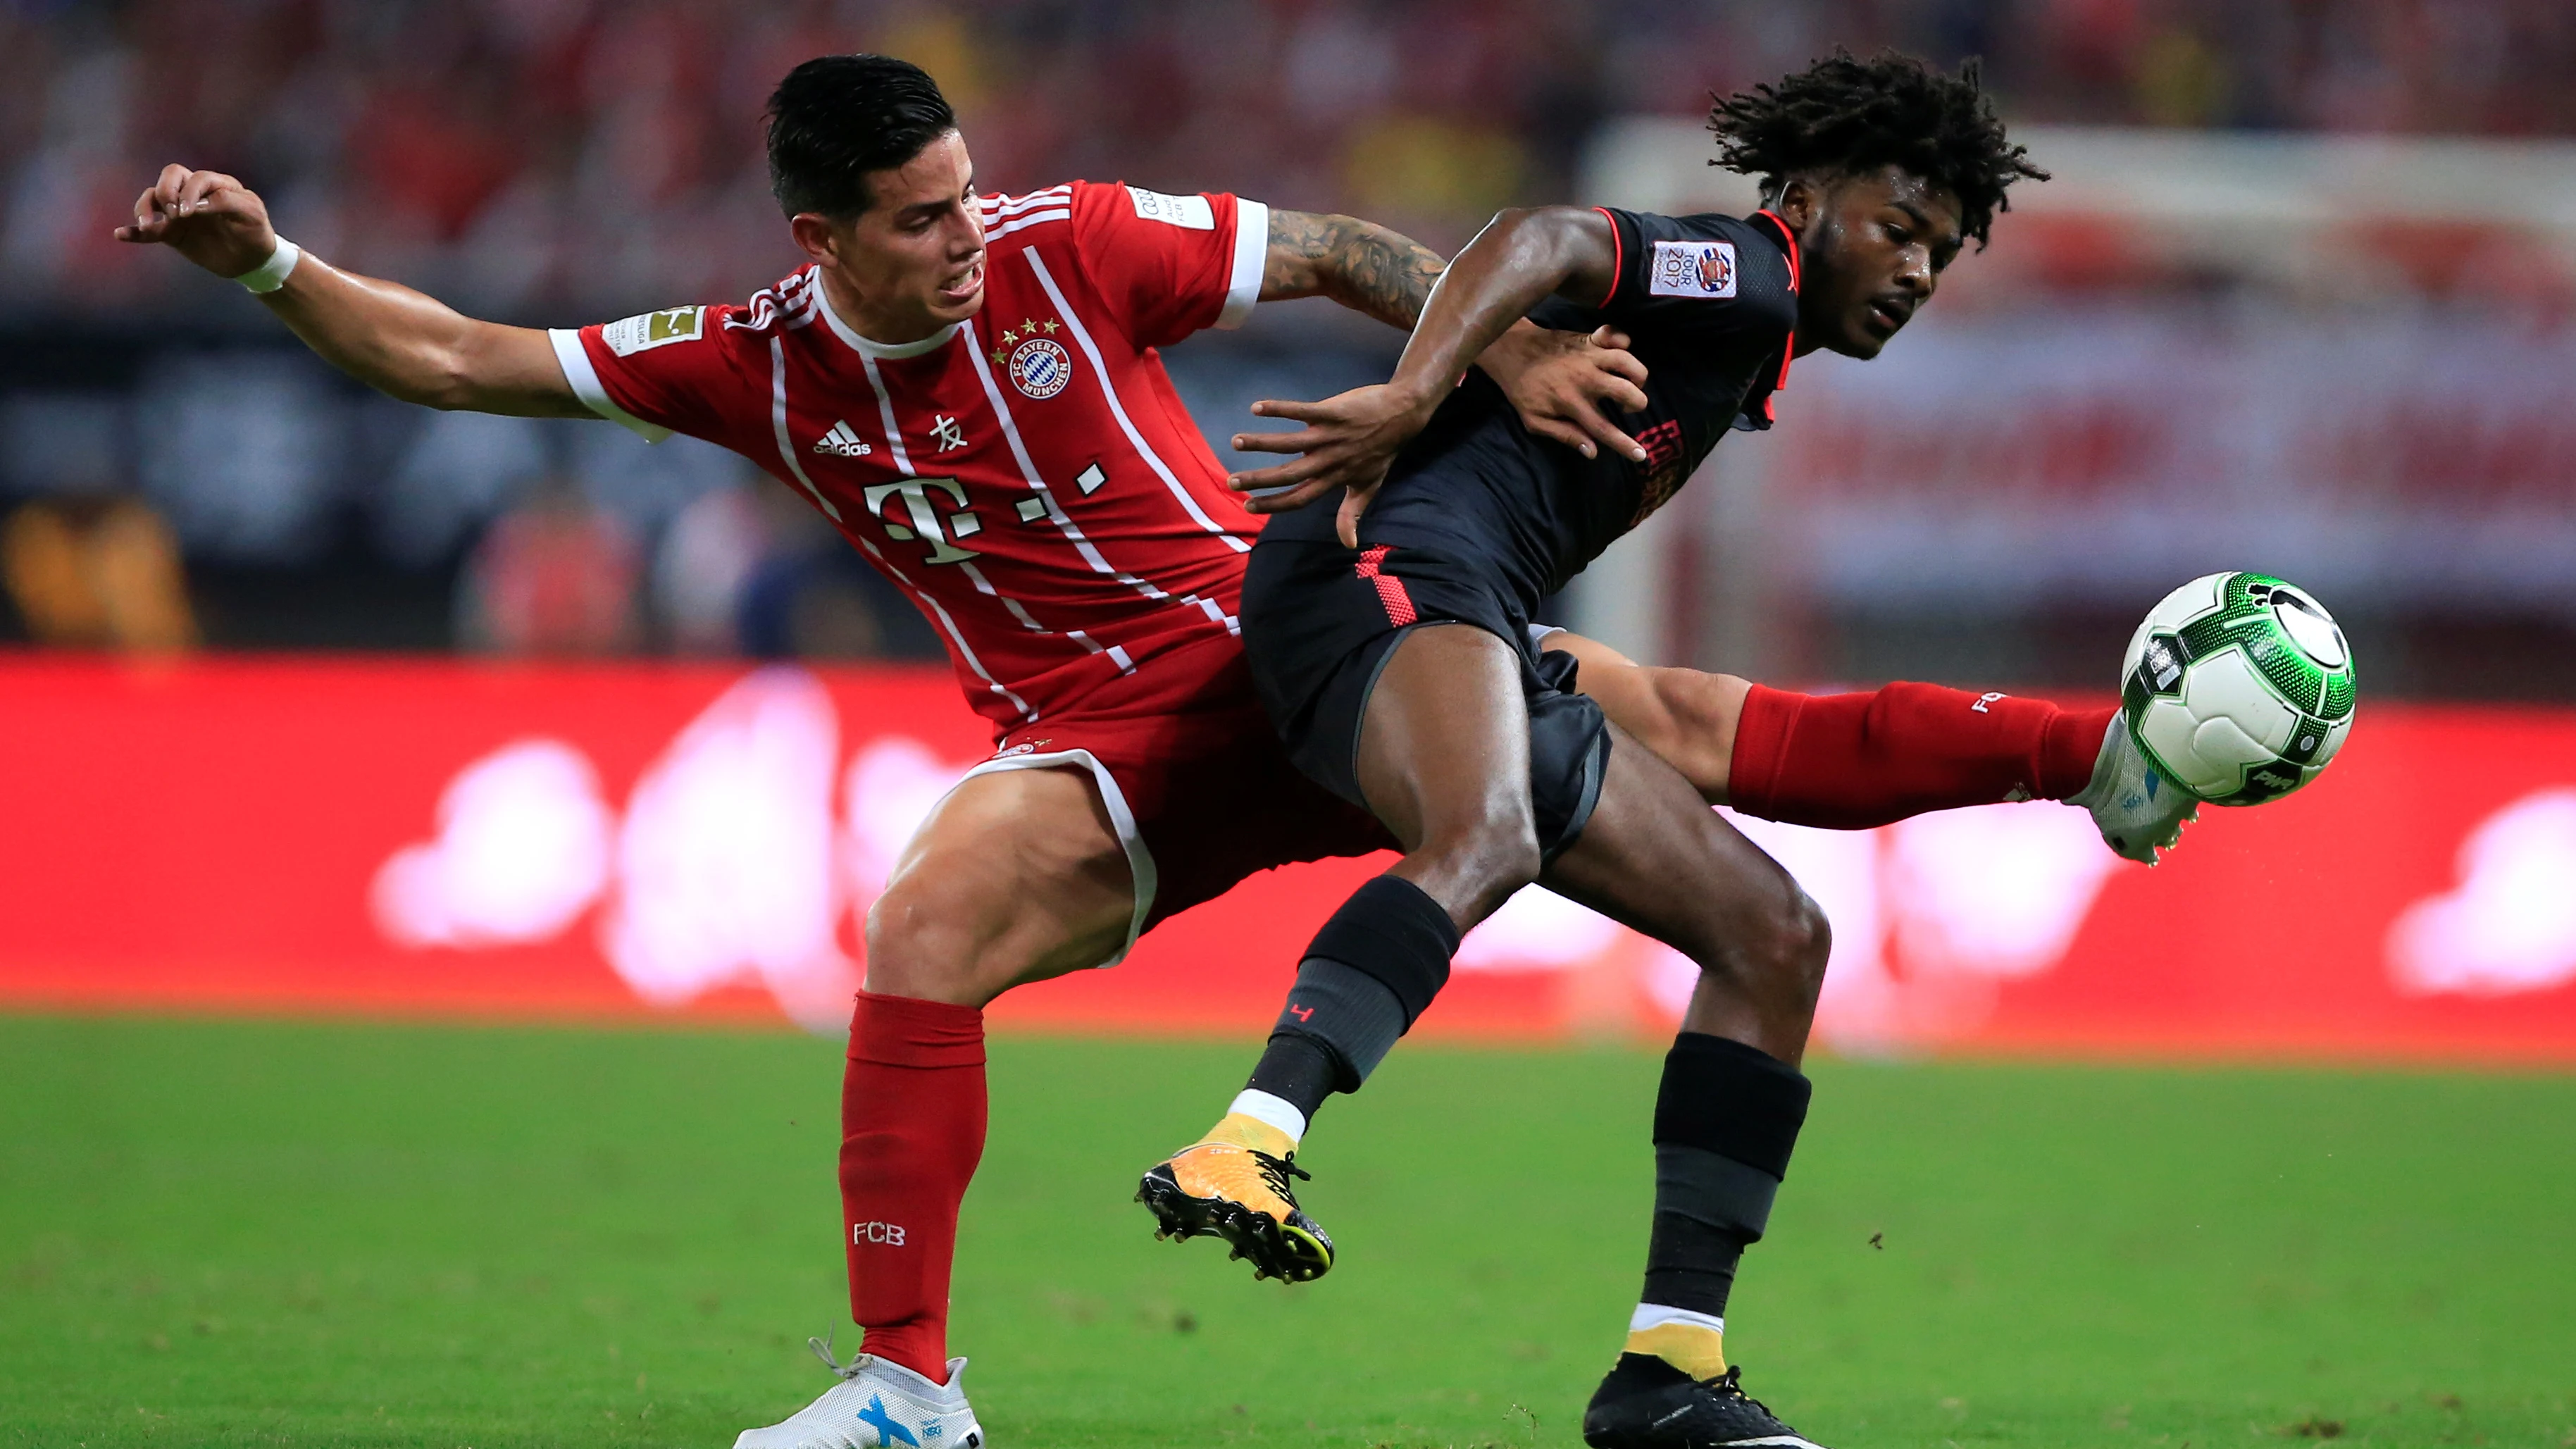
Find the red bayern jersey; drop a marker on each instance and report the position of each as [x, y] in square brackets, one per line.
[1027, 476]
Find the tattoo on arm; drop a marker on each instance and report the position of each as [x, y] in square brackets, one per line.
[1359, 264]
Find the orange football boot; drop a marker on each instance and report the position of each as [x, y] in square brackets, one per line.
[1233, 1184]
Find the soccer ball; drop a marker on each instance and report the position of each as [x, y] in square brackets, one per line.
[2238, 687]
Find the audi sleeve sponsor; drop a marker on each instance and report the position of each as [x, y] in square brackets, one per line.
[693, 842]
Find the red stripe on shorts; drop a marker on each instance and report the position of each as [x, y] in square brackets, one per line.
[1390, 589]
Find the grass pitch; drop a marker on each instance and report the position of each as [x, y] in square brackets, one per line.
[257, 1234]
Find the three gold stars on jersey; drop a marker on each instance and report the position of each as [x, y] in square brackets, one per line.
[1028, 328]
[1039, 366]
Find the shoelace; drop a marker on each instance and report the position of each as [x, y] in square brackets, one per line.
[823, 1350]
[1729, 1385]
[1275, 1172]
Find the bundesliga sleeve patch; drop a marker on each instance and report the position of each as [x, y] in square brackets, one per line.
[1691, 269]
[630, 335]
[1190, 213]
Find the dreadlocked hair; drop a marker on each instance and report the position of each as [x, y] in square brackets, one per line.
[1843, 117]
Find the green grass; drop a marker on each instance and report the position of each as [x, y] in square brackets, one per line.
[239, 1233]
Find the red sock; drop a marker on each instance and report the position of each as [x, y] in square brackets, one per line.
[912, 1130]
[1850, 761]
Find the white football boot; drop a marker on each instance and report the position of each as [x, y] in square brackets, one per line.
[2135, 807]
[876, 1405]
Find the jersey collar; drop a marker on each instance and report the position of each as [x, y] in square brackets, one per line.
[1789, 349]
[1788, 241]
[881, 350]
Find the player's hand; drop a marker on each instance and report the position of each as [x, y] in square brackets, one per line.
[1565, 384]
[205, 216]
[1348, 442]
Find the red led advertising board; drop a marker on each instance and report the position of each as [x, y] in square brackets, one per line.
[647, 842]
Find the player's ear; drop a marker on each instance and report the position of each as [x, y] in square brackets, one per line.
[1800, 201]
[815, 237]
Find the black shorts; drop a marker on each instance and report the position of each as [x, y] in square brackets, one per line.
[1320, 621]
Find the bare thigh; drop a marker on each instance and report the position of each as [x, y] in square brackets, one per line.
[1444, 765]
[1654, 857]
[1019, 875]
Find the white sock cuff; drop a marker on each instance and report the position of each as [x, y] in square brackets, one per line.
[1279, 1112]
[1656, 1315]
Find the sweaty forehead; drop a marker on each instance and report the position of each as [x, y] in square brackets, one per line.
[1895, 186]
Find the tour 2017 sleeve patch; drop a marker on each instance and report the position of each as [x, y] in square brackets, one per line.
[1691, 269]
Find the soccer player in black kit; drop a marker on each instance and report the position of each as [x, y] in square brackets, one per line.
[1422, 503]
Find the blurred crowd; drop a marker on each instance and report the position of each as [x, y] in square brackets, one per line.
[562, 161]
[554, 539]
[739, 570]
[570, 157]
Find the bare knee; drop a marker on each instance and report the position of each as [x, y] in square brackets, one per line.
[960, 929]
[1473, 859]
[1017, 876]
[957, 935]
[1804, 940]
[924, 940]
[1775, 954]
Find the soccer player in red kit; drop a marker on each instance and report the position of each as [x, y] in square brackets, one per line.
[967, 386]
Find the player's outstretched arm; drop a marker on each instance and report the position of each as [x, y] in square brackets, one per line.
[1561, 383]
[1683, 715]
[1522, 257]
[1360, 264]
[393, 339]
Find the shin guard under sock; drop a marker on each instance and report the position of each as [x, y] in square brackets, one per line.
[1850, 761]
[1368, 975]
[1726, 1119]
[912, 1131]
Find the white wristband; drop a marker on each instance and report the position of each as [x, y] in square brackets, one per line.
[270, 275]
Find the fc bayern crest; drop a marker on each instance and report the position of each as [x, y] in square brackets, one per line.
[1040, 368]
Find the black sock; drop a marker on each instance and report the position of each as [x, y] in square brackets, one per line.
[1726, 1120]
[1370, 972]
[1297, 1069]
[1340, 1022]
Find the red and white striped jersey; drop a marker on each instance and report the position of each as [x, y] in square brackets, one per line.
[1027, 476]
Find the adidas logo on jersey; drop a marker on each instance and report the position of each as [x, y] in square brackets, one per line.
[844, 441]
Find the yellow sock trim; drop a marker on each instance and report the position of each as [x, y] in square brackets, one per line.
[1693, 1348]
[1252, 1132]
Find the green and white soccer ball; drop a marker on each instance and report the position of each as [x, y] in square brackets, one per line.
[2238, 687]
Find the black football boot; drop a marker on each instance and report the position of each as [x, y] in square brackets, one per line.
[1647, 1403]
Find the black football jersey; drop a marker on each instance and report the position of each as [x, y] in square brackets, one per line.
[1710, 304]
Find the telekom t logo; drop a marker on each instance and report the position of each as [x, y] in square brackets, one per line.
[925, 520]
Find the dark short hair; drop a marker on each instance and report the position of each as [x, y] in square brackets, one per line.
[1844, 117]
[838, 117]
